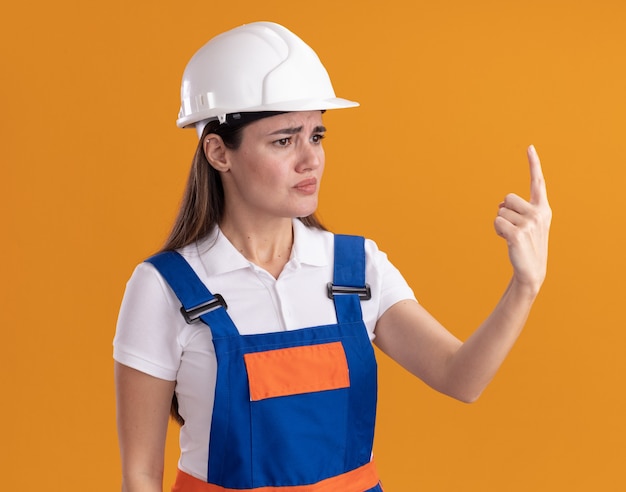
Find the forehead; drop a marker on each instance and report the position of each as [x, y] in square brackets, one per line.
[305, 119]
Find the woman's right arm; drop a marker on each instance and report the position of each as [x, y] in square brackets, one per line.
[143, 406]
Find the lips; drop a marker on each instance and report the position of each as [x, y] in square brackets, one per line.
[307, 186]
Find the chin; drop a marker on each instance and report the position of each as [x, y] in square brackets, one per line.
[304, 211]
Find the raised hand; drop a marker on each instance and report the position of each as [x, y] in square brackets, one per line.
[525, 226]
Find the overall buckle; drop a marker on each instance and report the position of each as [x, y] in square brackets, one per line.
[193, 314]
[364, 293]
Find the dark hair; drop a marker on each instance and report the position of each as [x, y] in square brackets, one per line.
[202, 206]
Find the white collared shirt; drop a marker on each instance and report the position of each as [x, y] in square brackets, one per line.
[153, 337]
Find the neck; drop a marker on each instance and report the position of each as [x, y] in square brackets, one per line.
[267, 245]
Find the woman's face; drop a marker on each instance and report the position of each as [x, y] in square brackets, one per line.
[277, 170]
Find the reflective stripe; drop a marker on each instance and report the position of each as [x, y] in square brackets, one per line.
[297, 370]
[359, 480]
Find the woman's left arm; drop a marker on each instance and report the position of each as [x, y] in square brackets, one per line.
[409, 335]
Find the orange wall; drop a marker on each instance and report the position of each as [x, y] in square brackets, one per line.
[452, 92]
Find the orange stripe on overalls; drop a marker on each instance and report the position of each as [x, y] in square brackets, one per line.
[363, 478]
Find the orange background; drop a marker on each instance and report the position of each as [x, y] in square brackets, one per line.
[452, 92]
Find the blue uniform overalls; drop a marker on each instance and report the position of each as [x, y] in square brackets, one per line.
[294, 410]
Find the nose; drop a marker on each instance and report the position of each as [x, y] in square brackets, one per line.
[310, 157]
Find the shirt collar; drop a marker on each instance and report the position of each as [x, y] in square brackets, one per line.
[218, 255]
[310, 245]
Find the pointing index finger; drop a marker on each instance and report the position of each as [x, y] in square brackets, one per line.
[538, 193]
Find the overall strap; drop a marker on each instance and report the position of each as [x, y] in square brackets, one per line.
[198, 303]
[349, 287]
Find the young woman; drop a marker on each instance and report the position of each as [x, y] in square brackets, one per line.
[255, 324]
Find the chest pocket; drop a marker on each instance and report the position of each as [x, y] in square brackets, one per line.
[299, 399]
[297, 370]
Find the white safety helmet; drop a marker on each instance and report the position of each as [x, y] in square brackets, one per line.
[256, 67]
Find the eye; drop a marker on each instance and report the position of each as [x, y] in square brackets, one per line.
[283, 142]
[317, 138]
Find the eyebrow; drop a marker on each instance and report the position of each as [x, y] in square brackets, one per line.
[297, 129]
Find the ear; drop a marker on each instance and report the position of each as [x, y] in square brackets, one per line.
[216, 152]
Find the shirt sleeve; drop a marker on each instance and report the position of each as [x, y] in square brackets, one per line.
[387, 281]
[148, 328]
